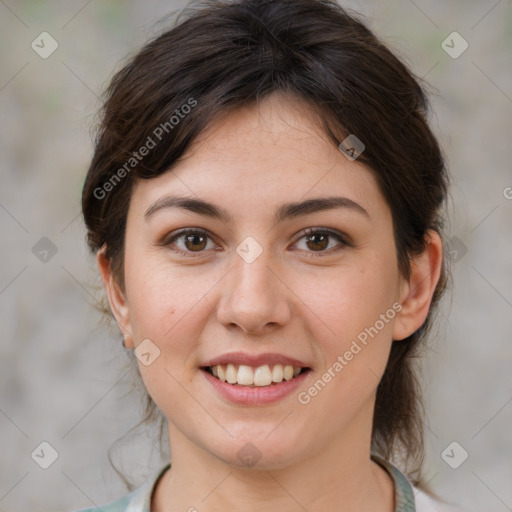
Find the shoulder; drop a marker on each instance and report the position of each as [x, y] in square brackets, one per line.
[138, 500]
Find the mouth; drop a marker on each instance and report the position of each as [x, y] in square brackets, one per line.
[265, 375]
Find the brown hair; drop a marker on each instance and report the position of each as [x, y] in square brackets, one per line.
[228, 54]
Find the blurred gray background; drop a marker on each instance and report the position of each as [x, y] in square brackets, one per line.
[63, 376]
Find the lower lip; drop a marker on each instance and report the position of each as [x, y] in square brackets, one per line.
[255, 395]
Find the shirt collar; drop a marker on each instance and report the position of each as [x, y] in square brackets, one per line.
[140, 499]
[404, 495]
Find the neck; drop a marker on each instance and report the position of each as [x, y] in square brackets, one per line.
[335, 476]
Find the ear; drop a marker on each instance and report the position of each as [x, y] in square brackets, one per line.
[416, 292]
[116, 298]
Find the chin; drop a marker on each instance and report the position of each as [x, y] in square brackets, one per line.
[259, 451]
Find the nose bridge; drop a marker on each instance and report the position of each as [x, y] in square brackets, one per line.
[254, 297]
[253, 278]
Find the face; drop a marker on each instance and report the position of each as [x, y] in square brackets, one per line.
[270, 276]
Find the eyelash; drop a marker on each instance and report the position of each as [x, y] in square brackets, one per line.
[308, 232]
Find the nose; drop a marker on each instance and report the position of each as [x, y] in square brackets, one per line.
[254, 299]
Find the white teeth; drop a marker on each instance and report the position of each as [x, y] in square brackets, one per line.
[288, 372]
[231, 373]
[277, 373]
[263, 376]
[245, 375]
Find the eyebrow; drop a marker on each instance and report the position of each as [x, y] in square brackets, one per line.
[284, 212]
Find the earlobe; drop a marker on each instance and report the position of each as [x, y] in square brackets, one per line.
[116, 298]
[418, 290]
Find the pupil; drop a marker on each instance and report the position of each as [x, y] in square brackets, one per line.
[322, 236]
[192, 238]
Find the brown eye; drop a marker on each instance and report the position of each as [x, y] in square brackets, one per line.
[195, 241]
[320, 241]
[189, 241]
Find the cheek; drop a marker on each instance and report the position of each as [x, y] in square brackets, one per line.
[169, 306]
[355, 355]
[161, 296]
[166, 308]
[349, 300]
[356, 313]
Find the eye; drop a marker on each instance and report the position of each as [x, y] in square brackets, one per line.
[189, 241]
[319, 240]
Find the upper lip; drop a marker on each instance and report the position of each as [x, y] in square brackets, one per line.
[256, 360]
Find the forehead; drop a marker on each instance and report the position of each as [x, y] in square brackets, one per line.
[269, 152]
[279, 129]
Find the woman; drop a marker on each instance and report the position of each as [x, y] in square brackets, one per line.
[264, 203]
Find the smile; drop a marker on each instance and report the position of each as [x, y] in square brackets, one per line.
[254, 379]
[260, 376]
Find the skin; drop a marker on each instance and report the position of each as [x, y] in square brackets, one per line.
[298, 298]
